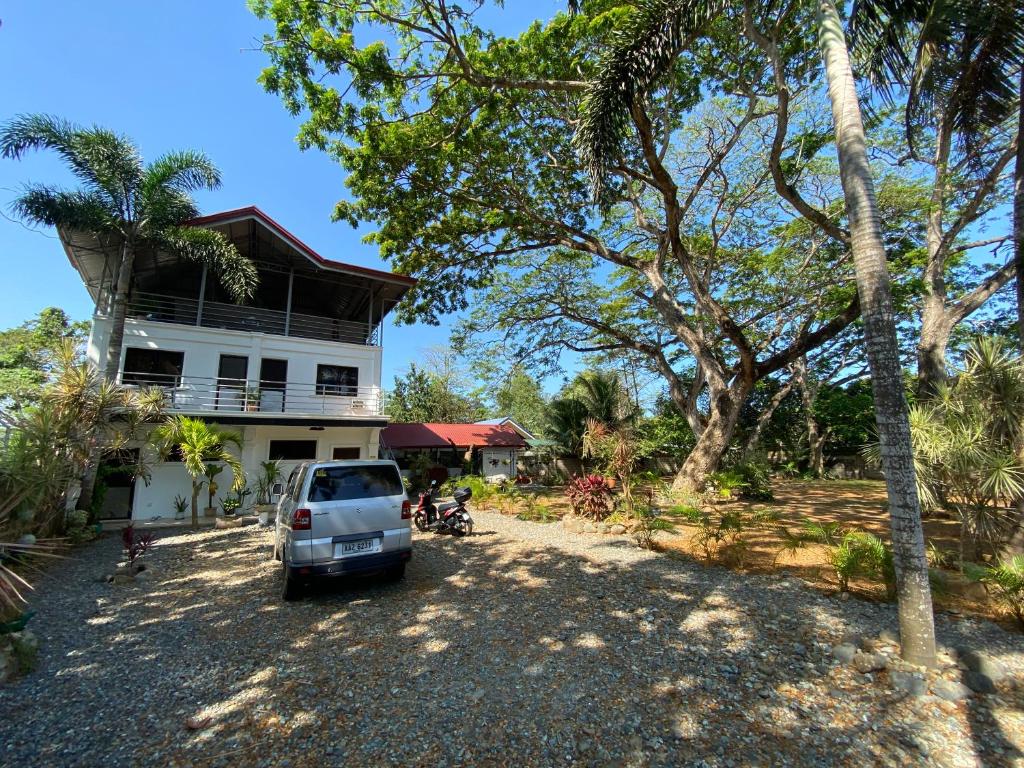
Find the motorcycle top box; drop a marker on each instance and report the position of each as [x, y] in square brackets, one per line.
[462, 495]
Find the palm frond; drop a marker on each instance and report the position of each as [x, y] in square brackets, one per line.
[236, 273]
[183, 170]
[641, 52]
[75, 209]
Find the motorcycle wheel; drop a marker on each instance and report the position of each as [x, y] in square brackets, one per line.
[463, 526]
[421, 521]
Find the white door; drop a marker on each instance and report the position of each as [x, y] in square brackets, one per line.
[498, 463]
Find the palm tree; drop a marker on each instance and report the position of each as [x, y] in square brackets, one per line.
[606, 400]
[126, 202]
[199, 444]
[643, 51]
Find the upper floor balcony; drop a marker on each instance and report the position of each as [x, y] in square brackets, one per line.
[159, 308]
[300, 294]
[242, 400]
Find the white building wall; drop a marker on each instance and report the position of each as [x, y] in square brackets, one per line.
[204, 346]
[169, 479]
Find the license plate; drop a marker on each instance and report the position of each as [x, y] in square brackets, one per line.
[360, 547]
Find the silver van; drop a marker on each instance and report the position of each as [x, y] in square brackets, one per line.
[337, 518]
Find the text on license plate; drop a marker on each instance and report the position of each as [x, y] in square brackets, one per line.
[360, 547]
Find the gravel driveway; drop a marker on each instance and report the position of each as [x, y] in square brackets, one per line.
[523, 645]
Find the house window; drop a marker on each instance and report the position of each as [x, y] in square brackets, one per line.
[337, 380]
[292, 450]
[342, 453]
[152, 367]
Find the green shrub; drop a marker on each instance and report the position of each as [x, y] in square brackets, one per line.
[863, 555]
[536, 511]
[1005, 581]
[722, 535]
[748, 481]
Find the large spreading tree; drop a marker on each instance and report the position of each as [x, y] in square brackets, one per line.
[458, 145]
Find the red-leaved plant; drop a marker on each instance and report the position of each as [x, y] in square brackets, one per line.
[590, 496]
[136, 546]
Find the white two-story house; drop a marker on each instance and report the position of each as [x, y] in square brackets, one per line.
[296, 371]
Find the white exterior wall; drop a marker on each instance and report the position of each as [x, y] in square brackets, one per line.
[169, 479]
[204, 346]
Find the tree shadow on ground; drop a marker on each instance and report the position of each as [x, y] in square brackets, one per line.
[490, 652]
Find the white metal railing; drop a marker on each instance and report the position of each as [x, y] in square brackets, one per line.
[212, 314]
[197, 394]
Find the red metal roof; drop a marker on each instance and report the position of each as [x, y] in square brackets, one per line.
[450, 435]
[253, 212]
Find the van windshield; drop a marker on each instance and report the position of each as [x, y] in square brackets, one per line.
[348, 483]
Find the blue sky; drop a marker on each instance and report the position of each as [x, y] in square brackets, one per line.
[173, 75]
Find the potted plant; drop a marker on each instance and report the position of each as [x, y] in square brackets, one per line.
[252, 399]
[269, 477]
[230, 505]
[180, 506]
[211, 471]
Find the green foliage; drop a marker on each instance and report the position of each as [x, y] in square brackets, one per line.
[78, 530]
[722, 535]
[123, 197]
[180, 507]
[847, 415]
[968, 442]
[862, 555]
[270, 474]
[829, 533]
[29, 352]
[1005, 580]
[200, 445]
[536, 511]
[516, 394]
[78, 418]
[483, 491]
[431, 396]
[748, 481]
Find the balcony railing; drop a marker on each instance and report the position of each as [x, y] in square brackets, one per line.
[194, 394]
[212, 314]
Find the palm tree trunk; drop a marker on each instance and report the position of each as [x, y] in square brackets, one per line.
[917, 626]
[119, 312]
[195, 504]
[1018, 215]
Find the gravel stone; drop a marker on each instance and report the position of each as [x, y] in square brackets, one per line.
[504, 628]
[908, 682]
[950, 690]
[844, 652]
[978, 682]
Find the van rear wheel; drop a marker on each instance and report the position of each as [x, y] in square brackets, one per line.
[292, 590]
[395, 572]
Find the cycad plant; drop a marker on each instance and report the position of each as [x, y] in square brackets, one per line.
[968, 443]
[200, 444]
[1005, 580]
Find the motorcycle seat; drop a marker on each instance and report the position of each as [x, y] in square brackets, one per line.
[447, 505]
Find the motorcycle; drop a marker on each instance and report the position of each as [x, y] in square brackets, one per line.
[450, 517]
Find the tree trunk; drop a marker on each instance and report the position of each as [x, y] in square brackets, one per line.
[712, 442]
[917, 626]
[815, 437]
[1018, 215]
[119, 311]
[196, 487]
[763, 419]
[935, 324]
[89, 474]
